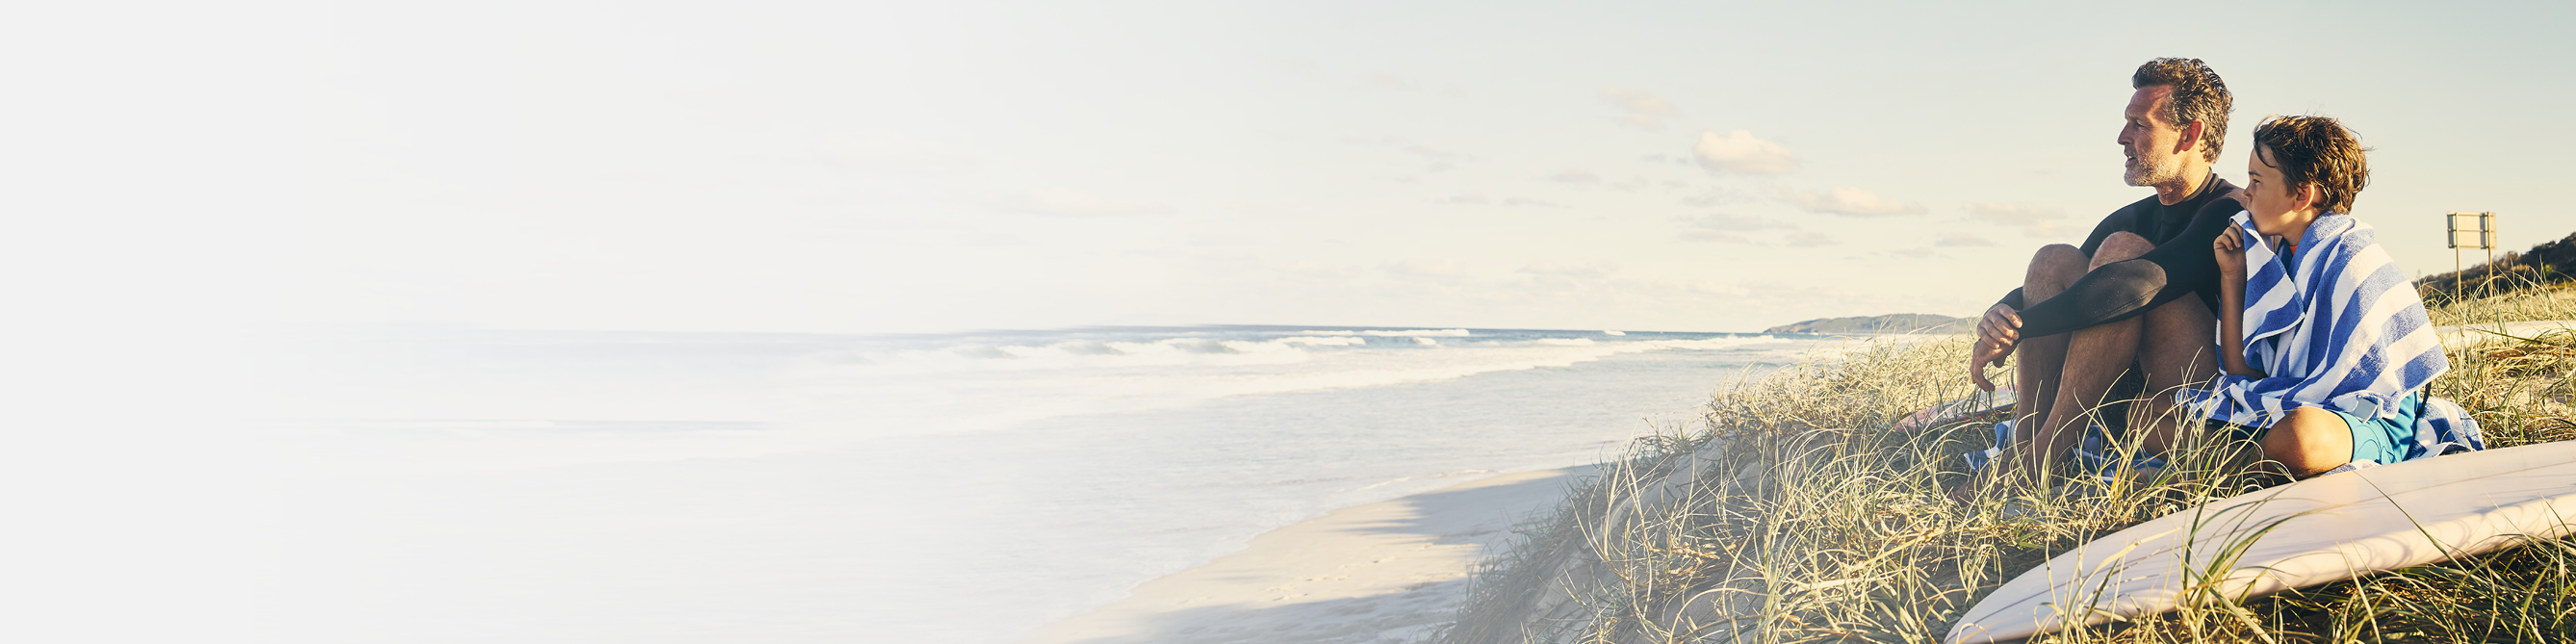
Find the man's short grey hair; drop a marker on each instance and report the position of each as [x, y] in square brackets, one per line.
[2198, 95]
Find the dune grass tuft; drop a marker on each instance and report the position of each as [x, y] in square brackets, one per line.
[1792, 512]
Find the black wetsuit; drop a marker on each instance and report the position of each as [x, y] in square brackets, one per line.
[2180, 265]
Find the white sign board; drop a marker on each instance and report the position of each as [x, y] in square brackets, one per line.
[2472, 230]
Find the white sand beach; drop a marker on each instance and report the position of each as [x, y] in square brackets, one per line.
[1388, 571]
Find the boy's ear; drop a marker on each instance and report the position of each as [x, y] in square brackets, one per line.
[2307, 197]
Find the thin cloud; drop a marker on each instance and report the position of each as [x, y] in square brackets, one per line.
[1387, 81]
[1430, 153]
[1576, 270]
[1575, 176]
[1853, 202]
[1809, 240]
[1723, 221]
[1434, 268]
[2035, 221]
[1740, 152]
[1077, 203]
[1717, 195]
[1660, 158]
[1393, 83]
[885, 154]
[1713, 237]
[1479, 199]
[1961, 239]
[1645, 111]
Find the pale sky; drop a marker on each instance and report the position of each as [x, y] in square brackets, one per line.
[169, 167]
[924, 167]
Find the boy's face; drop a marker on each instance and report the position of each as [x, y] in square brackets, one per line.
[2278, 208]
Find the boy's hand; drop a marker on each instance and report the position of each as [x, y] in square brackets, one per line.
[2230, 250]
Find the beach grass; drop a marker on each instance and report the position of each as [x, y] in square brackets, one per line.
[1794, 512]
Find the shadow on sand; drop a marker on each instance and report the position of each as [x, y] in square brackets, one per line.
[1385, 572]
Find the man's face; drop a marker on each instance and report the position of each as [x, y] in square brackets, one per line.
[2149, 140]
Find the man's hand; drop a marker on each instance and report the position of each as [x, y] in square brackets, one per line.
[2229, 249]
[1997, 335]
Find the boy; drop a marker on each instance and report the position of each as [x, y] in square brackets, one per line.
[2325, 344]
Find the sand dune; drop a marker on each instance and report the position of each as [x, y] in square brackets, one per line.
[1389, 571]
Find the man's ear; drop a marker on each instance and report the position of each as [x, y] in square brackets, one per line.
[2190, 136]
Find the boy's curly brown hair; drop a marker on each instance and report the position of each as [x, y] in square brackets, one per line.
[2318, 150]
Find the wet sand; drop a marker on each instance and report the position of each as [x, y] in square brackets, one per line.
[1390, 571]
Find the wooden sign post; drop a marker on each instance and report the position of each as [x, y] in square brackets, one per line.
[2469, 230]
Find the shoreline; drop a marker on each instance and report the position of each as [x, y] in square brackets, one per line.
[1395, 569]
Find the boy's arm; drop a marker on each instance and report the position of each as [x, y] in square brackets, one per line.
[2229, 250]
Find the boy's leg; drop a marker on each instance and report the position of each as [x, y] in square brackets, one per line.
[2309, 441]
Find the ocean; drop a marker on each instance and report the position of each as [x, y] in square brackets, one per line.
[460, 484]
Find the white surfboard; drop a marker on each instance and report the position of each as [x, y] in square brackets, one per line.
[2477, 335]
[2329, 528]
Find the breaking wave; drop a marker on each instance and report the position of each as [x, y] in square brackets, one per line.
[983, 384]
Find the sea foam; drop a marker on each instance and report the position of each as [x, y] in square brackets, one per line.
[517, 485]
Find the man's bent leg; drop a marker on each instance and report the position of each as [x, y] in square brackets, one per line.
[2035, 372]
[2178, 349]
[2094, 359]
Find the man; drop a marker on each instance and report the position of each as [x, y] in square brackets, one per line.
[2135, 299]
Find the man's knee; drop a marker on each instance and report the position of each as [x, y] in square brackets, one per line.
[2052, 268]
[2119, 246]
[2054, 255]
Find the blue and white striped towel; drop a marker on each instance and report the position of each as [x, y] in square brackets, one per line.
[2338, 327]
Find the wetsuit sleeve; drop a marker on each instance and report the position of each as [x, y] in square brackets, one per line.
[2093, 242]
[2124, 289]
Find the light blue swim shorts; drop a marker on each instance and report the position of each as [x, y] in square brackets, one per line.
[2384, 440]
[2378, 440]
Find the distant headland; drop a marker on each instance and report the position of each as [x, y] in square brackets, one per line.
[1891, 323]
